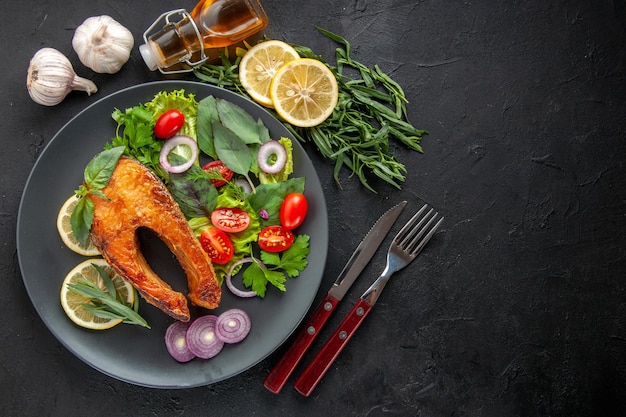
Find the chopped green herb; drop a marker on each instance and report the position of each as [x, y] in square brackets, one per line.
[279, 266]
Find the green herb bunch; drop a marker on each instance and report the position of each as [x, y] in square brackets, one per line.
[371, 111]
[107, 304]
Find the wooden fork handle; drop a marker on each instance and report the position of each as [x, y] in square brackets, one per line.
[314, 372]
[276, 379]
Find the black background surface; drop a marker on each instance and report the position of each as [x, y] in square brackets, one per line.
[516, 308]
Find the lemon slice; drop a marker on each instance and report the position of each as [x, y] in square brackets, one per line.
[72, 303]
[259, 65]
[304, 92]
[65, 229]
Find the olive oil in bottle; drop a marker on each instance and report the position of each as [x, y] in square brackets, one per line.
[211, 24]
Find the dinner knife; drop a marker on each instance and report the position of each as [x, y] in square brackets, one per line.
[353, 268]
[405, 247]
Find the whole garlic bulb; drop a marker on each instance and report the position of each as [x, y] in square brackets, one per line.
[51, 77]
[103, 44]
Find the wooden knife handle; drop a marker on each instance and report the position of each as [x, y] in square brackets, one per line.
[286, 365]
[313, 373]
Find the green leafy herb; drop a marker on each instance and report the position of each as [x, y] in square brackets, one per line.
[293, 260]
[239, 121]
[242, 242]
[135, 131]
[231, 120]
[257, 278]
[232, 151]
[207, 113]
[290, 262]
[97, 175]
[224, 74]
[371, 111]
[106, 304]
[269, 197]
[193, 191]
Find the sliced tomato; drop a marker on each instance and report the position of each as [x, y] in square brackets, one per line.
[220, 170]
[168, 124]
[275, 239]
[293, 210]
[230, 220]
[217, 244]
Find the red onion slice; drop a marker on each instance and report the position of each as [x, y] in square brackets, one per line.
[202, 338]
[168, 147]
[232, 326]
[229, 280]
[268, 151]
[176, 342]
[244, 185]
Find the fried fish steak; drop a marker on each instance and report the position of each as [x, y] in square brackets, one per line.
[138, 198]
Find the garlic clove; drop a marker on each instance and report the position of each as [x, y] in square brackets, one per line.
[103, 44]
[51, 77]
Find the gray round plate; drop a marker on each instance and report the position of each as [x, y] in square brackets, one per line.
[130, 353]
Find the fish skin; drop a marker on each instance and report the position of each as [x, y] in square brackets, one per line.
[138, 198]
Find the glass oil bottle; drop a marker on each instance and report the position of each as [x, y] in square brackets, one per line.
[186, 38]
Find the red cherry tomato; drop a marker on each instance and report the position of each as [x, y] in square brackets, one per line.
[219, 169]
[275, 239]
[230, 220]
[217, 244]
[293, 210]
[168, 124]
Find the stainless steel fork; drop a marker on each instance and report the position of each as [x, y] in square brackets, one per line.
[405, 247]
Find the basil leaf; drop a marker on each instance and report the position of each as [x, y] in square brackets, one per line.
[269, 197]
[238, 121]
[81, 220]
[231, 150]
[264, 133]
[207, 114]
[98, 171]
[194, 192]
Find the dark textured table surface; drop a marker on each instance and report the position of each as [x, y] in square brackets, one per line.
[516, 308]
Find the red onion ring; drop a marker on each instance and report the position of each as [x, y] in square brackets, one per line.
[232, 326]
[273, 147]
[202, 338]
[176, 342]
[244, 185]
[172, 143]
[236, 291]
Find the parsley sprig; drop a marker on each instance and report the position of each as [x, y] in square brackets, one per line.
[278, 266]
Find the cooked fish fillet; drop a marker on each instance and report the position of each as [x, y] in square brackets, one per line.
[138, 198]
